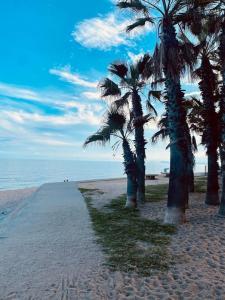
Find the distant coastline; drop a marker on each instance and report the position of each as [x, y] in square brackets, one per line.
[21, 173]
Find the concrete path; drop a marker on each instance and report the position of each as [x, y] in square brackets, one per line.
[48, 246]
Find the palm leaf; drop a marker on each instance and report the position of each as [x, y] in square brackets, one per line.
[134, 5]
[161, 134]
[140, 22]
[118, 68]
[109, 88]
[102, 136]
[123, 101]
[143, 64]
[155, 95]
[115, 120]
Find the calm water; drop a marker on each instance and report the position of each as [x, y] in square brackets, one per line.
[28, 173]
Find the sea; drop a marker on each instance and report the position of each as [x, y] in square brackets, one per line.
[25, 173]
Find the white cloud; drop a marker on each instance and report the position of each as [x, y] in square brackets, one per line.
[135, 57]
[91, 95]
[105, 32]
[17, 92]
[66, 75]
[85, 115]
[53, 142]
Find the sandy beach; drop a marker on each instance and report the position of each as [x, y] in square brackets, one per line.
[11, 199]
[198, 248]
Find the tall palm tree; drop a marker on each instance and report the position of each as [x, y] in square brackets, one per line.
[131, 79]
[116, 126]
[215, 11]
[169, 62]
[207, 72]
[222, 103]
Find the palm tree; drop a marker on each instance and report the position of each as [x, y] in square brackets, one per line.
[222, 104]
[207, 72]
[169, 62]
[216, 17]
[130, 81]
[116, 126]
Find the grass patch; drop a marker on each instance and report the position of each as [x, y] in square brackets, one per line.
[156, 193]
[130, 242]
[200, 184]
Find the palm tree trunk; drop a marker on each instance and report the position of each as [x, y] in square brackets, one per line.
[191, 178]
[212, 194]
[222, 121]
[178, 183]
[130, 169]
[211, 133]
[191, 163]
[139, 146]
[222, 202]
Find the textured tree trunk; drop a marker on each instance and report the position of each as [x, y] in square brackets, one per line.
[178, 182]
[222, 122]
[130, 169]
[212, 195]
[222, 202]
[139, 146]
[211, 133]
[191, 179]
[191, 164]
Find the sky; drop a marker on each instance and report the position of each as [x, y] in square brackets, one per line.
[53, 53]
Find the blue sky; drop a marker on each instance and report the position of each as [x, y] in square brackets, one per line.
[53, 53]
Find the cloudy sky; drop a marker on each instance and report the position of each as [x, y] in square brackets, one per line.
[52, 55]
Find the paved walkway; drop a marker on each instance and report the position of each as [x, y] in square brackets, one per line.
[48, 246]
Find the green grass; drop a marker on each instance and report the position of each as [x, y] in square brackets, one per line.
[131, 243]
[200, 184]
[156, 193]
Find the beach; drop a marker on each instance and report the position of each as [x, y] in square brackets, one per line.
[197, 249]
[12, 199]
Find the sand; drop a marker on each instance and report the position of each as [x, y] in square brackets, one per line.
[10, 200]
[198, 249]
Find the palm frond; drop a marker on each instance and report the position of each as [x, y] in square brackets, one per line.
[144, 65]
[161, 134]
[140, 22]
[123, 101]
[109, 88]
[118, 68]
[139, 121]
[102, 136]
[115, 120]
[155, 94]
[134, 5]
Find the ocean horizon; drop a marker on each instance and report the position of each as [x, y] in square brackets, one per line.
[25, 173]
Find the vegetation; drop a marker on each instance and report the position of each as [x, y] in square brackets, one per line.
[118, 126]
[200, 184]
[155, 193]
[130, 242]
[131, 79]
[190, 42]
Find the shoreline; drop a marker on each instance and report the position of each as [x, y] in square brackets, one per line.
[11, 199]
